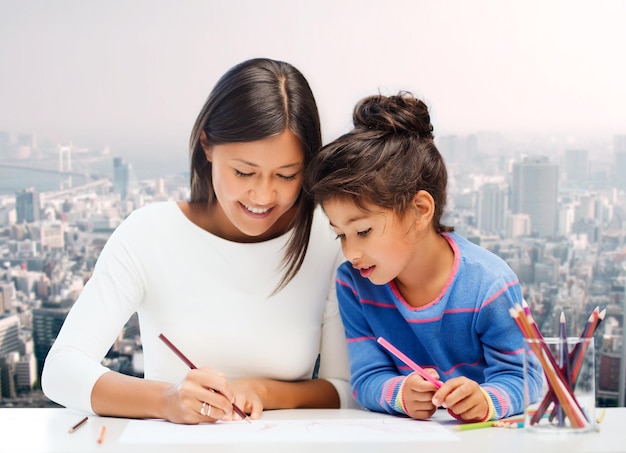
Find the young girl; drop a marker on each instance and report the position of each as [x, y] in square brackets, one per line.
[229, 277]
[440, 299]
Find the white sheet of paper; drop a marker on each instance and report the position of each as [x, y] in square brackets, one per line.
[276, 431]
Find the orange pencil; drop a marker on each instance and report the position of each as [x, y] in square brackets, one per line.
[103, 431]
[553, 373]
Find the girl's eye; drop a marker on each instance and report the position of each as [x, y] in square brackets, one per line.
[288, 177]
[340, 236]
[242, 174]
[364, 232]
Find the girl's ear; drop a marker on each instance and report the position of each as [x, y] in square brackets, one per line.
[206, 147]
[424, 205]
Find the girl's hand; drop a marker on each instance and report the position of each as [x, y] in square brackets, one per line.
[464, 398]
[204, 395]
[418, 394]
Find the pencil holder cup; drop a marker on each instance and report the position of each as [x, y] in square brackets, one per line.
[567, 399]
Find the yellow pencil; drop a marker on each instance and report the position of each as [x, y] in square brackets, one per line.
[601, 415]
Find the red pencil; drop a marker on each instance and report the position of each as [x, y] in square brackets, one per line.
[190, 364]
[553, 373]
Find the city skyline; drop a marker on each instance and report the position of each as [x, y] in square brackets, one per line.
[135, 74]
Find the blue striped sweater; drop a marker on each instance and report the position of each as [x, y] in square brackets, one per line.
[467, 331]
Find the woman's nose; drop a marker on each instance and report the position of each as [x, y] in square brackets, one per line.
[263, 193]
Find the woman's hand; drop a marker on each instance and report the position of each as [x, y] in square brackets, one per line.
[204, 395]
[249, 396]
[464, 398]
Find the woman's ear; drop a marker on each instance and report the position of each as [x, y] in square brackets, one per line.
[424, 205]
[206, 147]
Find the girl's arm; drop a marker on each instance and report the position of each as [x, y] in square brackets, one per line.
[503, 346]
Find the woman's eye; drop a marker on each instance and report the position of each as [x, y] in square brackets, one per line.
[242, 174]
[340, 236]
[364, 232]
[288, 177]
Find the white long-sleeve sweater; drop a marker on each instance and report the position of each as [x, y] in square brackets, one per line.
[211, 298]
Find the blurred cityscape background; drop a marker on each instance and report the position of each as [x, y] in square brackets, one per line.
[556, 213]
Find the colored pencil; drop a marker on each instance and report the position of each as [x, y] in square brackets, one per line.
[553, 373]
[414, 366]
[601, 416]
[504, 422]
[470, 426]
[564, 359]
[103, 431]
[191, 365]
[576, 358]
[78, 425]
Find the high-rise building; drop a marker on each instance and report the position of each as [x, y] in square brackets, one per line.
[26, 373]
[619, 165]
[120, 177]
[7, 375]
[124, 178]
[492, 209]
[534, 191]
[9, 334]
[576, 165]
[517, 225]
[28, 206]
[47, 323]
[7, 296]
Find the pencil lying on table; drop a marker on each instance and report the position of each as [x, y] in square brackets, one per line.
[103, 431]
[78, 425]
[190, 364]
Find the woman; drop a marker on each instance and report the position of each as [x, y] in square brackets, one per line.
[228, 277]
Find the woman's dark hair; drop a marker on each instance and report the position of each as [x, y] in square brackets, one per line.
[254, 100]
[387, 158]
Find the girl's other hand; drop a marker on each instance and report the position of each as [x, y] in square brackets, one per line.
[464, 398]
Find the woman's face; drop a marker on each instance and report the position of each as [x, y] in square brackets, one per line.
[256, 184]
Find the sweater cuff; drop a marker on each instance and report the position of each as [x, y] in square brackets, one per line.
[491, 408]
[399, 402]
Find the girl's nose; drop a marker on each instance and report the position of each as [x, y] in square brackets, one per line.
[351, 252]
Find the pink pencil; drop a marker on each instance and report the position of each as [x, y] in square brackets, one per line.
[421, 371]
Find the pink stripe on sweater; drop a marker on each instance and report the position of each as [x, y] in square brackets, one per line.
[495, 296]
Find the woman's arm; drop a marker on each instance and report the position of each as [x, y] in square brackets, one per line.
[120, 395]
[256, 394]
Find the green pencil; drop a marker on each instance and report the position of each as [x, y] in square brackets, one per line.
[468, 426]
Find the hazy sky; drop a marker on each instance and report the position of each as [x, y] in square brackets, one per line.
[137, 72]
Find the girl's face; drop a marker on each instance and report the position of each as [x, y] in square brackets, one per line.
[380, 244]
[256, 184]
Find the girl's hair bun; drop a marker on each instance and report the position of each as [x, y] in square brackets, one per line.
[399, 114]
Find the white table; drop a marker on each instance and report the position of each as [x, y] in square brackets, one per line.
[46, 430]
